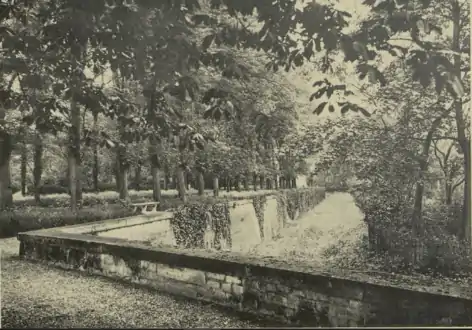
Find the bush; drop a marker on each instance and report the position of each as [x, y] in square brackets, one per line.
[34, 218]
[49, 189]
[436, 248]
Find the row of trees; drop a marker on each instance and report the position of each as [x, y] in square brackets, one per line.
[48, 48]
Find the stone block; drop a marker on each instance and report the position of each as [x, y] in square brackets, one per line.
[237, 289]
[316, 296]
[284, 288]
[148, 270]
[271, 287]
[215, 277]
[181, 274]
[213, 284]
[232, 279]
[277, 299]
[226, 287]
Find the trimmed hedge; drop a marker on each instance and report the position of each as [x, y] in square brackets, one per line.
[34, 218]
[55, 212]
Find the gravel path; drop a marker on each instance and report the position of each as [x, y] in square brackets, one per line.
[34, 295]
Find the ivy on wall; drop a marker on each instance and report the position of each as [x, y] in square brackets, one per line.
[259, 203]
[190, 221]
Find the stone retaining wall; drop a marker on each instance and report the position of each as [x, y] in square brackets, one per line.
[272, 290]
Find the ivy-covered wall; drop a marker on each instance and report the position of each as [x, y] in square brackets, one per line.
[192, 222]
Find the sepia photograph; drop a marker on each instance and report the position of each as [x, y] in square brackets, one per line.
[235, 164]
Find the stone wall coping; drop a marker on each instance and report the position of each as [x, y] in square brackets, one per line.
[106, 225]
[228, 263]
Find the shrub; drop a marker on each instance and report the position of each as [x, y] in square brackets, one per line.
[49, 189]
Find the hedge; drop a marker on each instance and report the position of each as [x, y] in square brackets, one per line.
[33, 218]
[55, 212]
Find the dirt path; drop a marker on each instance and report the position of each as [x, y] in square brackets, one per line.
[33, 295]
[335, 224]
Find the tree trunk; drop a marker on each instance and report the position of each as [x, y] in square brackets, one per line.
[228, 184]
[448, 198]
[96, 169]
[254, 181]
[155, 169]
[417, 224]
[181, 183]
[462, 128]
[261, 182]
[237, 183]
[294, 183]
[216, 188]
[24, 165]
[246, 182]
[166, 180]
[6, 196]
[137, 176]
[37, 168]
[156, 184]
[276, 183]
[201, 183]
[75, 187]
[122, 177]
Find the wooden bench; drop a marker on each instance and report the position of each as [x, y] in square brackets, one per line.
[144, 208]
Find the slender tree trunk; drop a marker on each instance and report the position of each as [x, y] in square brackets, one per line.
[216, 188]
[156, 186]
[37, 168]
[201, 183]
[24, 164]
[462, 128]
[74, 160]
[294, 183]
[448, 198]
[238, 183]
[6, 148]
[122, 176]
[261, 182]
[246, 182]
[181, 182]
[228, 184]
[6, 196]
[96, 168]
[166, 180]
[254, 181]
[137, 176]
[155, 170]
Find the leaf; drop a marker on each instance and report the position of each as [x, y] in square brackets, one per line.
[207, 41]
[345, 109]
[319, 109]
[319, 93]
[439, 83]
[362, 49]
[308, 51]
[364, 111]
[456, 85]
